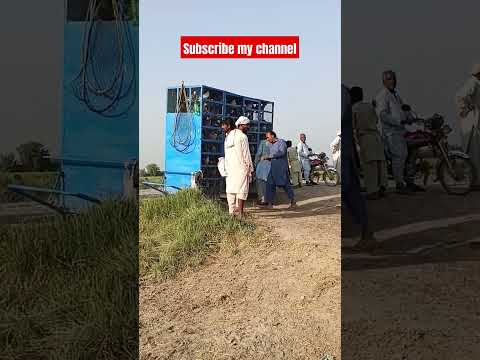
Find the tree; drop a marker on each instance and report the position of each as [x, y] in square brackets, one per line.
[152, 170]
[34, 157]
[133, 11]
[143, 172]
[8, 162]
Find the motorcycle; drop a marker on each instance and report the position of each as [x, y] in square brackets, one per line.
[453, 168]
[320, 170]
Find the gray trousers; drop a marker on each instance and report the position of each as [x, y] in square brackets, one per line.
[398, 152]
[403, 158]
[472, 141]
[375, 175]
[261, 190]
[338, 167]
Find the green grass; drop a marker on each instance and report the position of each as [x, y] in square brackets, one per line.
[153, 179]
[70, 286]
[181, 230]
[35, 179]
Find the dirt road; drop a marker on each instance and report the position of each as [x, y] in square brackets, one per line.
[278, 298]
[417, 297]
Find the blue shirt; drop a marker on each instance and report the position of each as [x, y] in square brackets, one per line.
[279, 163]
[262, 166]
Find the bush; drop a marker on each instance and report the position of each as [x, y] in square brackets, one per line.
[181, 229]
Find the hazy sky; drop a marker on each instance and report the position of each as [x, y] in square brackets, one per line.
[305, 91]
[31, 64]
[430, 44]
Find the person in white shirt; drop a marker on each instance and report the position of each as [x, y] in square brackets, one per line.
[303, 156]
[393, 118]
[336, 148]
[238, 164]
[467, 100]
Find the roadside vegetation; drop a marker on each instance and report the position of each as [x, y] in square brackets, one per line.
[70, 286]
[180, 230]
[152, 179]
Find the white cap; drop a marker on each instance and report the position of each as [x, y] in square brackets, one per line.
[339, 132]
[476, 69]
[242, 120]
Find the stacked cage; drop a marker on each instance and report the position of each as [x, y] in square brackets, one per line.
[208, 107]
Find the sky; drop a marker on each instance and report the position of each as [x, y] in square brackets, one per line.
[31, 65]
[432, 56]
[305, 91]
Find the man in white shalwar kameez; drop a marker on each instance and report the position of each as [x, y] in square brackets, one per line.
[238, 166]
[303, 157]
[468, 103]
[336, 147]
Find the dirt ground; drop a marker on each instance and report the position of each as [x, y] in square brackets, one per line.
[417, 296]
[276, 298]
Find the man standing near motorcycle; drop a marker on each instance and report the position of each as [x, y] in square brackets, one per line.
[352, 199]
[393, 118]
[303, 157]
[468, 103]
[294, 165]
[372, 156]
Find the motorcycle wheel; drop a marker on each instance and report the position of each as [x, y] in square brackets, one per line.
[461, 181]
[330, 177]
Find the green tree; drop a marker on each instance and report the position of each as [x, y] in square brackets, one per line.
[152, 170]
[133, 11]
[34, 156]
[8, 162]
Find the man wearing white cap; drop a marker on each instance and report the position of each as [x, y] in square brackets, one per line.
[468, 103]
[238, 166]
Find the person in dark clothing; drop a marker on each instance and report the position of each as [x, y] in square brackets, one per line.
[278, 176]
[352, 199]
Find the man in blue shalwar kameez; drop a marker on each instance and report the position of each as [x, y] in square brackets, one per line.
[278, 176]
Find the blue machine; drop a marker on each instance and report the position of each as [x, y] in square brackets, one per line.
[95, 148]
[208, 107]
[99, 127]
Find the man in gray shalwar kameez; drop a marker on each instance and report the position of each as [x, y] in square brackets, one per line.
[279, 176]
[262, 169]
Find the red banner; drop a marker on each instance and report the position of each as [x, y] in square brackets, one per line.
[202, 47]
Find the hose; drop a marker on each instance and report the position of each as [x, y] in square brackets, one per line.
[106, 92]
[184, 132]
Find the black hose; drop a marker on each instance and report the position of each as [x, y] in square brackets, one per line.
[115, 96]
[184, 131]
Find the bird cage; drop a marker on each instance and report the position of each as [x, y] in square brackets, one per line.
[195, 142]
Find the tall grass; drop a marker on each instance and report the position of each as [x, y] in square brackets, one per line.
[180, 230]
[69, 287]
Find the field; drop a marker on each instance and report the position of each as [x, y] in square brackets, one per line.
[153, 179]
[36, 179]
[69, 286]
